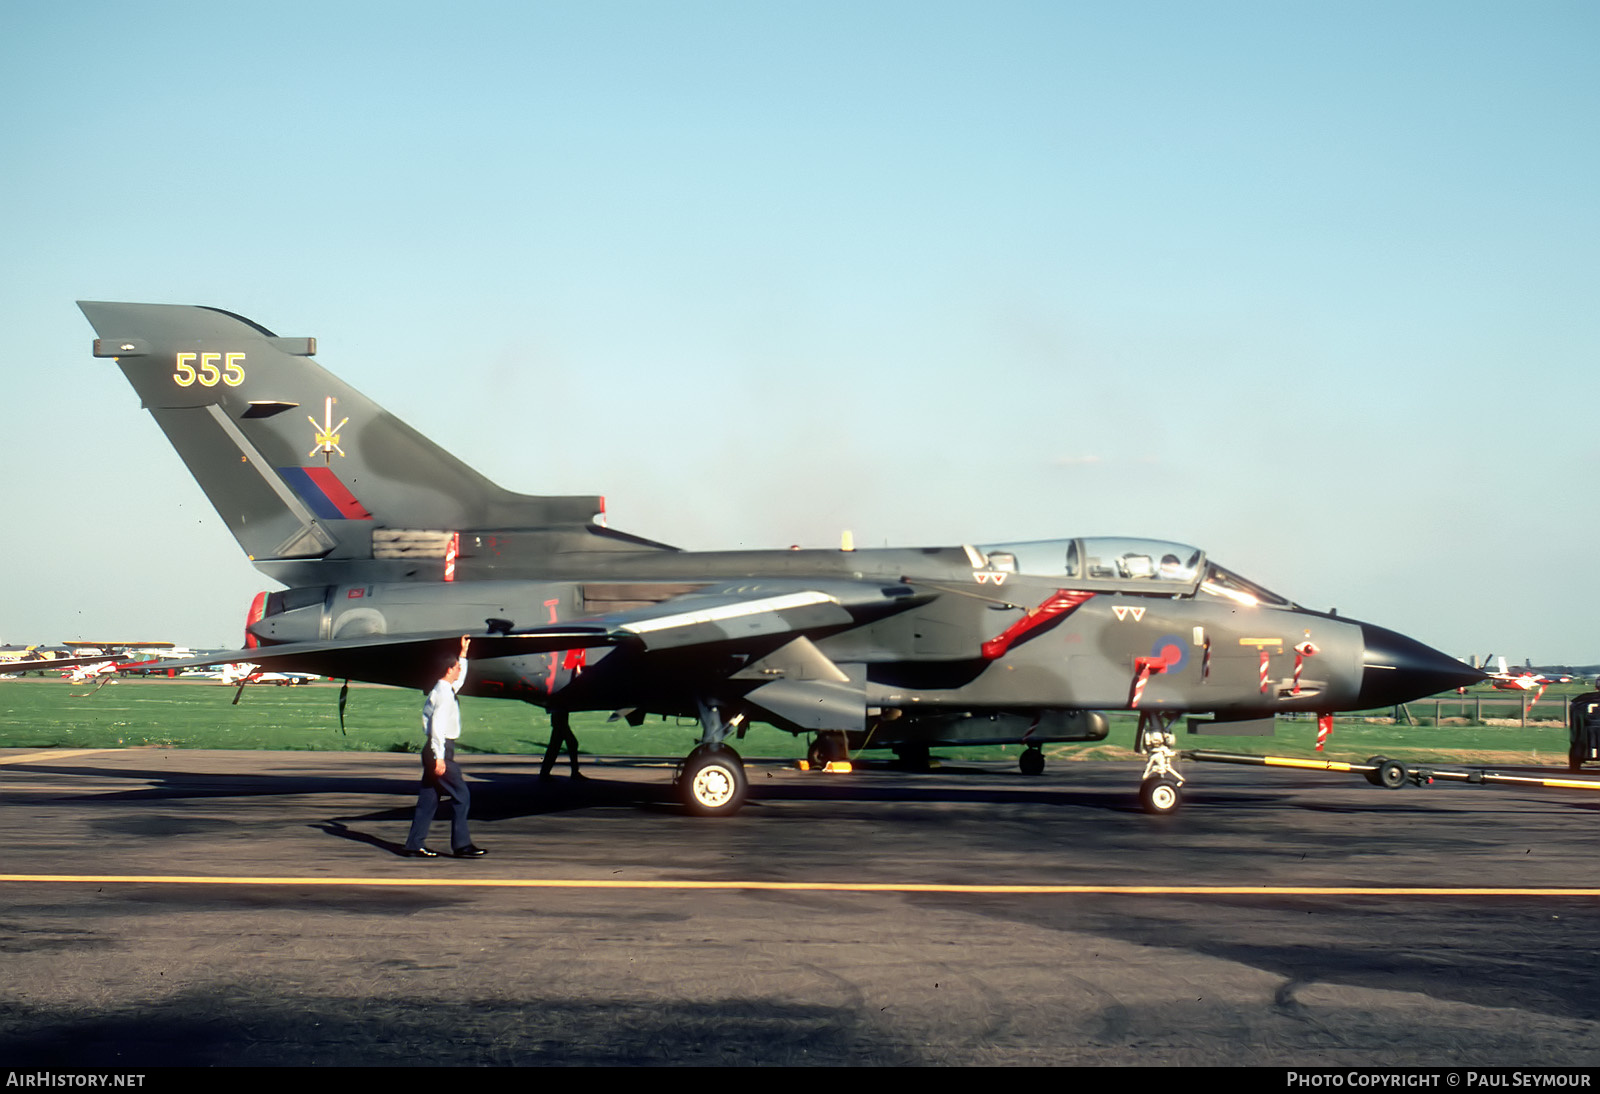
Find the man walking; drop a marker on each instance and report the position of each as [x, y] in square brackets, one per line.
[560, 734]
[441, 721]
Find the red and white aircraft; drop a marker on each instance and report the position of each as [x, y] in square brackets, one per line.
[243, 672]
[1524, 680]
[83, 673]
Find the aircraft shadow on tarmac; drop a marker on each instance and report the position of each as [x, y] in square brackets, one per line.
[499, 795]
[502, 795]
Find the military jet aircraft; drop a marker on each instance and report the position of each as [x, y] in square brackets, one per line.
[391, 548]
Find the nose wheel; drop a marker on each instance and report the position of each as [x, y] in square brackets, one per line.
[1160, 795]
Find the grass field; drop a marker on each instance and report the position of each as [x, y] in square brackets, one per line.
[131, 713]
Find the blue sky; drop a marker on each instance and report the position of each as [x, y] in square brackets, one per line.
[1311, 286]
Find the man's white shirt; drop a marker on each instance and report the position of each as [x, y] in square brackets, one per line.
[441, 713]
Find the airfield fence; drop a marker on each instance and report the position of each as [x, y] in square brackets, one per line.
[1471, 709]
[1519, 707]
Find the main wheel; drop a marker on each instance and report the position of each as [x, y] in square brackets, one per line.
[712, 782]
[1160, 795]
[913, 758]
[1031, 762]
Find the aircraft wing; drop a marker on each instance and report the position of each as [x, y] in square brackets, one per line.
[728, 615]
[410, 660]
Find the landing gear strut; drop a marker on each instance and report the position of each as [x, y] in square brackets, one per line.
[1160, 790]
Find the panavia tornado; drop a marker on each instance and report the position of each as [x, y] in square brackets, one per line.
[390, 549]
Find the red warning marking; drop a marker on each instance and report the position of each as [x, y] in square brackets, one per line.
[452, 551]
[1146, 667]
[1301, 652]
[1060, 602]
[555, 659]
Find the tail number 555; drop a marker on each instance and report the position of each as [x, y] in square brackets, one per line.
[207, 374]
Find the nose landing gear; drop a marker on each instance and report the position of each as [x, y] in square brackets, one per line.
[1160, 791]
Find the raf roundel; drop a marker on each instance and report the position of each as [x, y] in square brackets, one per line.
[1171, 649]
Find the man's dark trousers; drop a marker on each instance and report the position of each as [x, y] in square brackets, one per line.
[452, 783]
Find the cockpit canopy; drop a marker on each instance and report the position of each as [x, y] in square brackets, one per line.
[1152, 566]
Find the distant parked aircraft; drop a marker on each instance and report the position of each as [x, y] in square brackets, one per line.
[243, 672]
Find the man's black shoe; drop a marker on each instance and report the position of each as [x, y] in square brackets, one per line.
[419, 852]
[471, 850]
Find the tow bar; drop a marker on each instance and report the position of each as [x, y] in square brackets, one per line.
[1393, 774]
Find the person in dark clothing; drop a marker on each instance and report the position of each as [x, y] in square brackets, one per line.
[560, 734]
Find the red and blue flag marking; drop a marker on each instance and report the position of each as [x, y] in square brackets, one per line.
[321, 489]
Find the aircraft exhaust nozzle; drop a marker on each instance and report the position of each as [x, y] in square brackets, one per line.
[1396, 669]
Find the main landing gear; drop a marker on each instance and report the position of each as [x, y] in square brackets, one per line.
[1031, 762]
[710, 781]
[828, 746]
[1160, 791]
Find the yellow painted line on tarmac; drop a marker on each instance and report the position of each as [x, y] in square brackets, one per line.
[787, 886]
[54, 754]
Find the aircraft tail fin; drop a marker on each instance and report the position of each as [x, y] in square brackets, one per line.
[304, 469]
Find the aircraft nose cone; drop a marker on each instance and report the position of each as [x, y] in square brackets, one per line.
[1397, 669]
